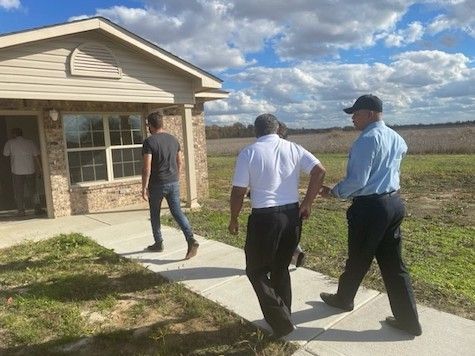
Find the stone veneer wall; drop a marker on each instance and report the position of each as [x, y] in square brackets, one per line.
[69, 200]
[172, 124]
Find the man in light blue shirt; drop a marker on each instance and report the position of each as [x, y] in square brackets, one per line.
[374, 218]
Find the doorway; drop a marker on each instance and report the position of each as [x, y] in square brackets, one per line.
[29, 126]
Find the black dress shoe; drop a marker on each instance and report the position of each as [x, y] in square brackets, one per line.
[334, 301]
[300, 260]
[277, 334]
[393, 322]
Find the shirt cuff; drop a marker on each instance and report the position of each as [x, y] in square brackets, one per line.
[334, 191]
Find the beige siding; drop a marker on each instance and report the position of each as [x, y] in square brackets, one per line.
[41, 70]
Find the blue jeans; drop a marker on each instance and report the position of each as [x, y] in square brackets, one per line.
[171, 192]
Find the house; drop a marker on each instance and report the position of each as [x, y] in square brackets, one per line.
[81, 90]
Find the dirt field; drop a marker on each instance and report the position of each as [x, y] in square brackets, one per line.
[445, 140]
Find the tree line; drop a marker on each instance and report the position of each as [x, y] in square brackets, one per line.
[240, 130]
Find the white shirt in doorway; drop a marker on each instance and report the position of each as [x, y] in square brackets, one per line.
[21, 152]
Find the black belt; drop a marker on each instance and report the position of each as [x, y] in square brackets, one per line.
[376, 196]
[275, 209]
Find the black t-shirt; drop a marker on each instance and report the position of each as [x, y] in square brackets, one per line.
[164, 148]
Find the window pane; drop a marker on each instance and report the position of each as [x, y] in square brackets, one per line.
[116, 155]
[72, 139]
[73, 159]
[115, 138]
[75, 174]
[128, 169]
[98, 138]
[99, 158]
[129, 127]
[88, 174]
[126, 137]
[85, 138]
[86, 158]
[118, 170]
[138, 168]
[79, 132]
[138, 138]
[127, 155]
[101, 172]
[137, 152]
[97, 124]
[114, 123]
[135, 122]
[127, 162]
[124, 123]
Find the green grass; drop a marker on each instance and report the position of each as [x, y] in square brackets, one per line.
[68, 295]
[439, 235]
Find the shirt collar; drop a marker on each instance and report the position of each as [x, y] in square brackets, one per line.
[270, 137]
[379, 123]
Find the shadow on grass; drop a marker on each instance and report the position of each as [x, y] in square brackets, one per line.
[105, 257]
[159, 339]
[86, 286]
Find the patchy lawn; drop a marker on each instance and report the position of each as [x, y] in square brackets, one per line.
[69, 295]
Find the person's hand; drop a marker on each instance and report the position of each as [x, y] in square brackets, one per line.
[233, 226]
[145, 194]
[325, 191]
[305, 210]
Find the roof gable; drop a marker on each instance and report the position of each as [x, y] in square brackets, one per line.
[205, 79]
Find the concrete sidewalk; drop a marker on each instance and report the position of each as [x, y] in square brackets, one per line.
[217, 273]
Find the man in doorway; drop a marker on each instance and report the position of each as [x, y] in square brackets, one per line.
[375, 216]
[271, 169]
[24, 163]
[160, 174]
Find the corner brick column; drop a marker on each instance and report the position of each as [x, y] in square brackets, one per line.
[189, 150]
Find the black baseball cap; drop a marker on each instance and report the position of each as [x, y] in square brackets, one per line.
[366, 102]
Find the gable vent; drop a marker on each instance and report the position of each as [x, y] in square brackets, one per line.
[94, 60]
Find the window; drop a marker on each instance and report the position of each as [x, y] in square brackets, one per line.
[103, 147]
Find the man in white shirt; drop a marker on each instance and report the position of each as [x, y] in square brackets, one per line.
[24, 162]
[271, 169]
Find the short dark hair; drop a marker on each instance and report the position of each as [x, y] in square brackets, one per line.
[16, 131]
[266, 124]
[282, 131]
[155, 119]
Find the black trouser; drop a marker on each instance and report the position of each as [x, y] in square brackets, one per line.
[374, 230]
[272, 236]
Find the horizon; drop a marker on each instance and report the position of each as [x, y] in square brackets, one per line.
[351, 127]
[302, 62]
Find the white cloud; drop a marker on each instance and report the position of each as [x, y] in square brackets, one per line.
[460, 15]
[414, 87]
[10, 4]
[411, 34]
[202, 32]
[218, 34]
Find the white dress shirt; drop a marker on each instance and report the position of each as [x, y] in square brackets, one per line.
[271, 168]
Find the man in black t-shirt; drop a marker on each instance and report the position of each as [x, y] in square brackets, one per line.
[160, 175]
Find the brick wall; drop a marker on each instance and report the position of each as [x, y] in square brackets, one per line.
[67, 199]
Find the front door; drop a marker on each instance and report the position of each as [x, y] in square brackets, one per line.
[29, 125]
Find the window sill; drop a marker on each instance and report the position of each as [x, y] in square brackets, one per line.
[105, 184]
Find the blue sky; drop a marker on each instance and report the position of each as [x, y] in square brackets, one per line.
[303, 60]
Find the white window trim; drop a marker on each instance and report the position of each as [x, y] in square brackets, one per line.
[108, 148]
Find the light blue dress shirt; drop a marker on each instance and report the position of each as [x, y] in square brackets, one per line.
[374, 163]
